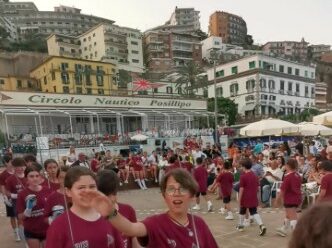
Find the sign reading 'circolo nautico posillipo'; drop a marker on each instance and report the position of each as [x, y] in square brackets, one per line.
[65, 100]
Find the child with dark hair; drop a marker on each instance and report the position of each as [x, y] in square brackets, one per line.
[249, 186]
[30, 208]
[225, 181]
[108, 183]
[201, 177]
[326, 182]
[82, 225]
[175, 228]
[290, 192]
[57, 202]
[51, 168]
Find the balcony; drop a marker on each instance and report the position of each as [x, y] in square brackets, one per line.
[290, 92]
[297, 93]
[282, 92]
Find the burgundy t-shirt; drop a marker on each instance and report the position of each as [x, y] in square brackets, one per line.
[36, 223]
[249, 183]
[93, 165]
[128, 212]
[164, 233]
[327, 185]
[55, 202]
[50, 185]
[14, 184]
[201, 176]
[3, 177]
[225, 180]
[291, 187]
[89, 234]
[121, 163]
[187, 165]
[171, 167]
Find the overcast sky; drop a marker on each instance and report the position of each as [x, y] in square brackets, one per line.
[266, 19]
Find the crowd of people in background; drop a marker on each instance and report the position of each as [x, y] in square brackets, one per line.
[57, 202]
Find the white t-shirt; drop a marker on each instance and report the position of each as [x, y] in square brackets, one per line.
[277, 173]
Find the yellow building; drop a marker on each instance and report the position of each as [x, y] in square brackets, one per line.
[18, 83]
[75, 76]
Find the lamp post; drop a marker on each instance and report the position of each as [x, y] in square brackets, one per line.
[214, 57]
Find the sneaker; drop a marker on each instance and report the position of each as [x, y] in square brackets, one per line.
[229, 216]
[126, 181]
[222, 210]
[281, 232]
[196, 207]
[121, 183]
[156, 180]
[209, 206]
[17, 236]
[262, 230]
[240, 228]
[246, 222]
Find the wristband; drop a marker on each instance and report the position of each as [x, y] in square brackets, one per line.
[13, 196]
[113, 214]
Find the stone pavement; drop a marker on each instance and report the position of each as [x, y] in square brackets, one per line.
[151, 202]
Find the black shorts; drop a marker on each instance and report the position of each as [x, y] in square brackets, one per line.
[291, 205]
[30, 235]
[200, 193]
[10, 212]
[252, 211]
[14, 207]
[226, 199]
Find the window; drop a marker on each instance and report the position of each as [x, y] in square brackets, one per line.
[79, 90]
[54, 88]
[65, 77]
[262, 83]
[135, 60]
[219, 92]
[134, 52]
[2, 81]
[252, 64]
[45, 80]
[134, 42]
[282, 85]
[19, 84]
[290, 86]
[234, 88]
[271, 84]
[312, 92]
[65, 89]
[306, 73]
[297, 87]
[234, 70]
[100, 79]
[179, 90]
[289, 70]
[155, 90]
[297, 72]
[169, 90]
[89, 91]
[306, 91]
[312, 75]
[281, 68]
[101, 92]
[220, 73]
[64, 66]
[250, 85]
[53, 75]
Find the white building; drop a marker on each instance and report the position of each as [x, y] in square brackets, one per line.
[104, 42]
[284, 87]
[215, 43]
[185, 16]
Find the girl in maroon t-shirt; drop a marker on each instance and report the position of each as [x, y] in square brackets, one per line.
[82, 225]
[290, 192]
[57, 202]
[30, 208]
[175, 228]
[136, 162]
[52, 182]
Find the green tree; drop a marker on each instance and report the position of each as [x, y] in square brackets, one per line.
[225, 106]
[124, 78]
[305, 115]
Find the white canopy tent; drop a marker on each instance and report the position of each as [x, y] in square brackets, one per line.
[313, 129]
[323, 119]
[269, 127]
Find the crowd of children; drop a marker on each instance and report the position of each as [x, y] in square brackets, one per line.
[56, 205]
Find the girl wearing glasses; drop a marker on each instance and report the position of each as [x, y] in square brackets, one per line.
[175, 228]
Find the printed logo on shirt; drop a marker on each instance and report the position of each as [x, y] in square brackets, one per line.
[83, 244]
[171, 243]
[110, 240]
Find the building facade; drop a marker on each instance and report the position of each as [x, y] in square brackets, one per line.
[75, 76]
[293, 50]
[185, 17]
[109, 43]
[264, 85]
[231, 28]
[321, 96]
[316, 51]
[22, 18]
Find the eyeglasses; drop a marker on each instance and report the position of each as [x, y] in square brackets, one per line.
[181, 191]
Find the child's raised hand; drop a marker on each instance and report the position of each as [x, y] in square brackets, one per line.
[99, 201]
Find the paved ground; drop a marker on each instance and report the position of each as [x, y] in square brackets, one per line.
[150, 202]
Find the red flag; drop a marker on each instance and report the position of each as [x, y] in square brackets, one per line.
[142, 84]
